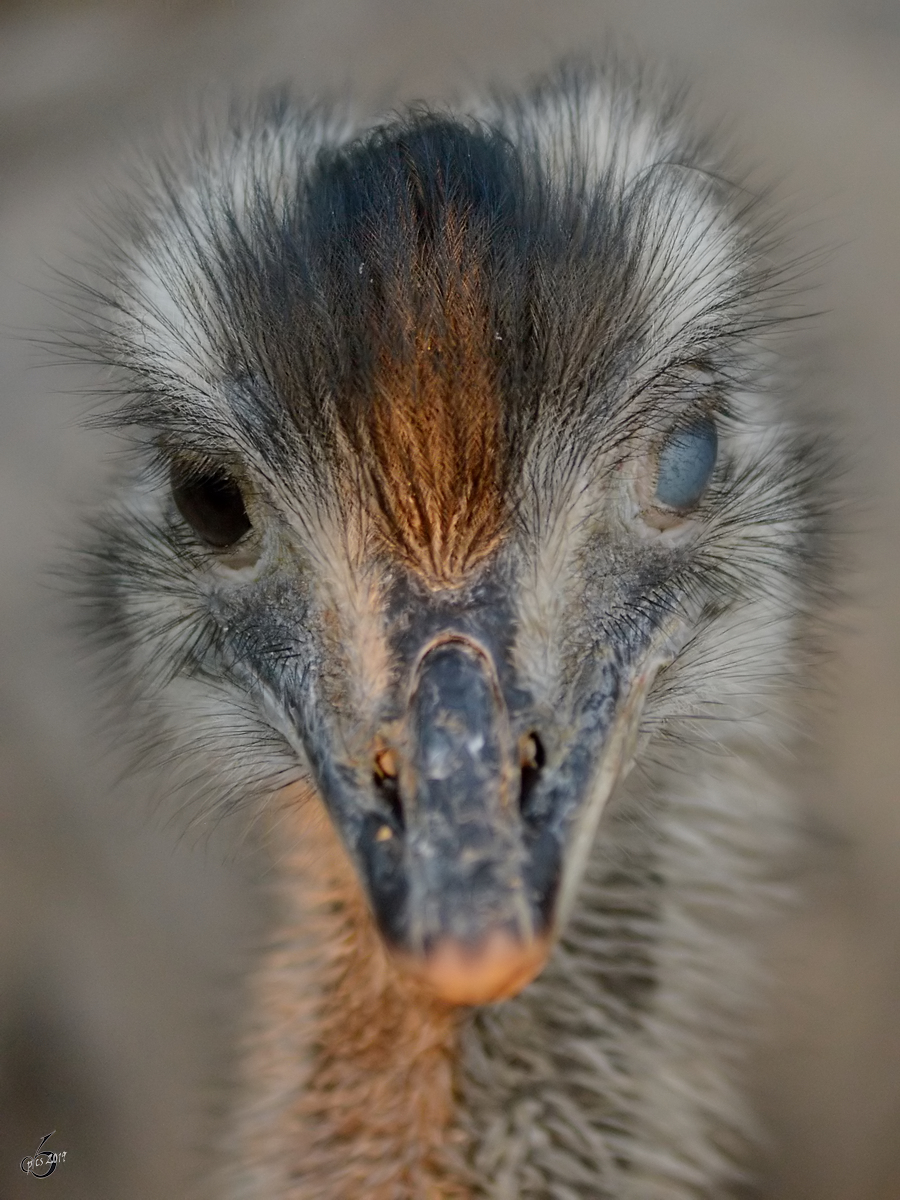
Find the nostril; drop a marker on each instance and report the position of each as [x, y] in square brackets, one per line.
[386, 763]
[531, 759]
[387, 784]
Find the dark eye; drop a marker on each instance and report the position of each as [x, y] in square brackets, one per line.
[213, 506]
[686, 463]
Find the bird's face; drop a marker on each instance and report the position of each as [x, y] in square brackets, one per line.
[446, 510]
[464, 734]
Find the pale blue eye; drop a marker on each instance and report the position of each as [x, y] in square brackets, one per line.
[686, 463]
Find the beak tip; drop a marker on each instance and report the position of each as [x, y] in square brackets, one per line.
[495, 970]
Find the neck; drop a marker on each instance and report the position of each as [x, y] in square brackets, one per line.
[349, 1064]
[614, 1069]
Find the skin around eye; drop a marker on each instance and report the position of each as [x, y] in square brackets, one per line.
[685, 464]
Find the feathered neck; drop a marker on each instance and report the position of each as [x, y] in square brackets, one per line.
[615, 1074]
[349, 1064]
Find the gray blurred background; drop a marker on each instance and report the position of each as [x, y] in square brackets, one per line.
[120, 940]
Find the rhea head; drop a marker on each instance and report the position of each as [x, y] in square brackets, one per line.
[450, 489]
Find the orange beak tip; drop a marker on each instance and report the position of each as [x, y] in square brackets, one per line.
[495, 970]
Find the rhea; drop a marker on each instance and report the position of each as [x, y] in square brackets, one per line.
[468, 542]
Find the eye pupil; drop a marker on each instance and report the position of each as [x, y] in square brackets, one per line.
[686, 463]
[213, 506]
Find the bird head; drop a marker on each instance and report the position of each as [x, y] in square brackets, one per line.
[459, 480]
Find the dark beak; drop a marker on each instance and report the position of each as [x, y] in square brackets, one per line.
[473, 927]
[470, 865]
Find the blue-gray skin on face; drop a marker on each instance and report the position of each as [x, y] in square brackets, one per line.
[468, 841]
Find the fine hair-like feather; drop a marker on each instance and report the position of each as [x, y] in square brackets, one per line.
[436, 356]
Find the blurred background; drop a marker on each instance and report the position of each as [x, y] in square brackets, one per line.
[121, 940]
